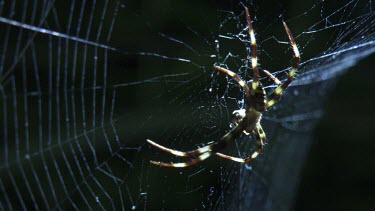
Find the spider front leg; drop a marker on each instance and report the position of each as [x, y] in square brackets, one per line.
[275, 95]
[180, 153]
[260, 137]
[205, 152]
[200, 158]
[215, 146]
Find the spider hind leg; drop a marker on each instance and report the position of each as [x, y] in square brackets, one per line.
[236, 77]
[274, 97]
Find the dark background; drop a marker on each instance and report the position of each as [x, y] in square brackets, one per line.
[339, 171]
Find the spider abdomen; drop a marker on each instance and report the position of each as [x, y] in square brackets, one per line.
[258, 97]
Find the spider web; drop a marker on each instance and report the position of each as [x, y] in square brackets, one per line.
[84, 83]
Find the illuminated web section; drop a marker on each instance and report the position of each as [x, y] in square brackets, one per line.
[84, 84]
[57, 110]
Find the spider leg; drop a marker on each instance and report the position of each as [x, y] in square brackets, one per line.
[275, 80]
[275, 95]
[212, 147]
[176, 152]
[200, 158]
[260, 137]
[254, 59]
[236, 77]
[203, 152]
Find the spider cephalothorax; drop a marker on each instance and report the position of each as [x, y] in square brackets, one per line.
[245, 120]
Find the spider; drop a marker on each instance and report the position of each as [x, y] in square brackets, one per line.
[246, 120]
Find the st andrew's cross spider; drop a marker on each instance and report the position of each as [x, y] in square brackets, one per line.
[245, 120]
